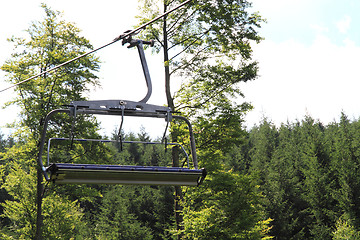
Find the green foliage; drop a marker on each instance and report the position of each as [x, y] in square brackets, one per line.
[209, 44]
[221, 128]
[263, 141]
[345, 230]
[345, 148]
[49, 43]
[21, 211]
[226, 206]
[5, 143]
[220, 26]
[308, 175]
[61, 216]
[146, 212]
[283, 184]
[115, 221]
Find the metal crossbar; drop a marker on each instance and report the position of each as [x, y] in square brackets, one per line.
[113, 141]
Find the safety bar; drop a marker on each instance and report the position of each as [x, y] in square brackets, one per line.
[114, 141]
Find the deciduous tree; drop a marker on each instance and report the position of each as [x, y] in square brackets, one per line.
[207, 45]
[49, 43]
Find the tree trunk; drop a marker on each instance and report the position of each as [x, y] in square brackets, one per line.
[39, 196]
[175, 151]
[178, 192]
[166, 66]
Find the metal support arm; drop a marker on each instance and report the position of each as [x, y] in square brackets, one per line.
[43, 137]
[139, 44]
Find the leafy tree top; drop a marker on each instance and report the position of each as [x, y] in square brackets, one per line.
[50, 42]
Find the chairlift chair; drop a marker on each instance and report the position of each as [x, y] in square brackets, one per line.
[64, 173]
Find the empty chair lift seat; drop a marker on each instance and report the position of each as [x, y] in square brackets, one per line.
[63, 173]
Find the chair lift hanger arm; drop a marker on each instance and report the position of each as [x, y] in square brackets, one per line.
[139, 45]
[43, 137]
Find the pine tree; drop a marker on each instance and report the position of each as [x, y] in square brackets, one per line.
[264, 140]
[283, 187]
[317, 178]
[345, 157]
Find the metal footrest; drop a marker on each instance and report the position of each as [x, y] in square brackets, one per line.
[63, 173]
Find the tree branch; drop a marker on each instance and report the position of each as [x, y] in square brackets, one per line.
[187, 47]
[215, 93]
[157, 39]
[172, 27]
[190, 61]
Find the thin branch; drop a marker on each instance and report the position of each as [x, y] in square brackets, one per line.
[178, 19]
[215, 93]
[192, 36]
[157, 39]
[190, 61]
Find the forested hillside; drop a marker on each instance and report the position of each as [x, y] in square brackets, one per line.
[306, 173]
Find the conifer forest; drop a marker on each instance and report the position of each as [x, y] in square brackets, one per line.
[299, 180]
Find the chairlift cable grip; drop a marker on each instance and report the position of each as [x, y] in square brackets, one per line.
[122, 36]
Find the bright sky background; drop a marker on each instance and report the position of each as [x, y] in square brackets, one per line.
[308, 60]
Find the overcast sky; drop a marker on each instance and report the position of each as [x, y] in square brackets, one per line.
[308, 60]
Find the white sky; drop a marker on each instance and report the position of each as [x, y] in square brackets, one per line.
[308, 60]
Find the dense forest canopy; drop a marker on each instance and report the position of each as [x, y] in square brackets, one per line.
[307, 174]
